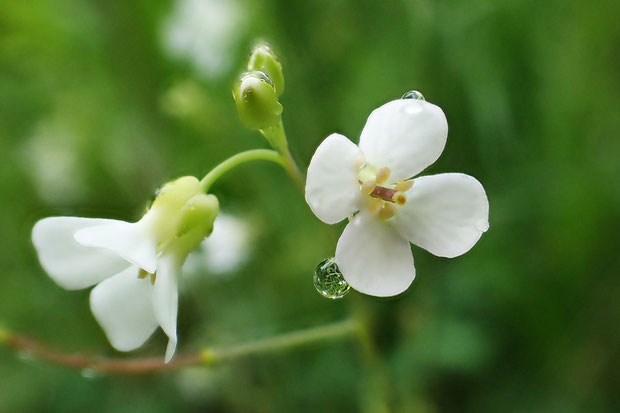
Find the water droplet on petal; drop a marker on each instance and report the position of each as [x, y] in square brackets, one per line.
[413, 94]
[482, 225]
[328, 280]
[90, 374]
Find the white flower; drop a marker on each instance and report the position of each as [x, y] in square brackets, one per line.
[136, 266]
[445, 214]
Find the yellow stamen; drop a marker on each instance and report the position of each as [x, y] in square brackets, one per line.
[382, 175]
[142, 274]
[375, 206]
[404, 185]
[368, 187]
[399, 198]
[387, 211]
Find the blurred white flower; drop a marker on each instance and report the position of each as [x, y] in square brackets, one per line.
[204, 32]
[50, 157]
[445, 214]
[226, 249]
[136, 266]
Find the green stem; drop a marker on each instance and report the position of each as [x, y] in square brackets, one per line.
[238, 159]
[281, 342]
[377, 398]
[276, 137]
[208, 356]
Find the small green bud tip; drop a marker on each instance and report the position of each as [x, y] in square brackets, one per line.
[263, 59]
[198, 215]
[257, 102]
[207, 356]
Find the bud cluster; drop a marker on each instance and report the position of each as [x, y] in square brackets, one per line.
[257, 91]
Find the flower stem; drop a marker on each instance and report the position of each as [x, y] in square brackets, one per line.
[276, 136]
[377, 397]
[281, 342]
[238, 159]
[206, 357]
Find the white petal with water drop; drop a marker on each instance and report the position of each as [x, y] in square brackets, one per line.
[405, 135]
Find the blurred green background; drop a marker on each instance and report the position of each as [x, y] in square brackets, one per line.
[103, 101]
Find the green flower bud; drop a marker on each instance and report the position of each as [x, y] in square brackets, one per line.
[182, 216]
[263, 59]
[173, 195]
[195, 222]
[257, 102]
[198, 215]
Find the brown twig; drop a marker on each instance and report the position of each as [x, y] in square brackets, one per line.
[205, 357]
[96, 363]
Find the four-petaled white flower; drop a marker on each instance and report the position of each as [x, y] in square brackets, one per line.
[445, 214]
[136, 266]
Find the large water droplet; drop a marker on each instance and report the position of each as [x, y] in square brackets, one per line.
[262, 76]
[413, 94]
[328, 280]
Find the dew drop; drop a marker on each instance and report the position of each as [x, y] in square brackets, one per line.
[328, 280]
[257, 74]
[482, 225]
[413, 94]
[90, 374]
[25, 355]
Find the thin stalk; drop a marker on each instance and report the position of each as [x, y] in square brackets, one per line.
[208, 356]
[281, 342]
[236, 160]
[276, 136]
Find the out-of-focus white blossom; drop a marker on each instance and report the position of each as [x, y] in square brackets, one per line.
[204, 32]
[226, 249]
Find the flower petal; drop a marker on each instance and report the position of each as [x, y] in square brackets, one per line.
[166, 299]
[131, 241]
[332, 188]
[69, 264]
[405, 135]
[445, 214]
[122, 306]
[374, 259]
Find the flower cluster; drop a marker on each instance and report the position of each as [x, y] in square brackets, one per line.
[372, 185]
[135, 267]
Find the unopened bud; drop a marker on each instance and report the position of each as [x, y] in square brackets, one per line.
[263, 59]
[198, 215]
[257, 102]
[173, 195]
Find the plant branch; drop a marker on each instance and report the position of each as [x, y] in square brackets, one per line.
[207, 357]
[236, 160]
